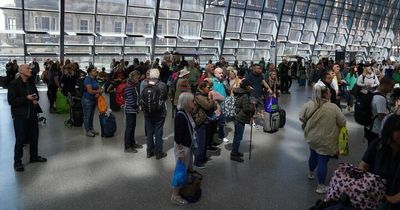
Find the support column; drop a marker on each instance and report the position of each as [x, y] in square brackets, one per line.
[153, 41]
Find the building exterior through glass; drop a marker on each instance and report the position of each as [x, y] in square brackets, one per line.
[244, 30]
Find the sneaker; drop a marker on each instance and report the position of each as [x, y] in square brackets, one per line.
[236, 158]
[321, 189]
[225, 140]
[212, 149]
[18, 167]
[38, 159]
[311, 176]
[161, 155]
[130, 150]
[237, 154]
[90, 134]
[95, 132]
[200, 166]
[150, 154]
[137, 146]
[177, 199]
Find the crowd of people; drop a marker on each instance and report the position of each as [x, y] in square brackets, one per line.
[202, 105]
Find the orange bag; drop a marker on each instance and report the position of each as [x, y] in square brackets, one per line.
[102, 104]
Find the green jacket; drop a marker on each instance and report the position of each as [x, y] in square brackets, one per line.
[243, 108]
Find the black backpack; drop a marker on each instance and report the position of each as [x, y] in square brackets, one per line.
[150, 99]
[363, 108]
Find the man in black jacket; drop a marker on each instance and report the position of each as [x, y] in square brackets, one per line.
[23, 98]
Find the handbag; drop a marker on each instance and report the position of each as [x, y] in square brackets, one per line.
[271, 104]
[343, 141]
[102, 104]
[364, 189]
[180, 174]
[229, 107]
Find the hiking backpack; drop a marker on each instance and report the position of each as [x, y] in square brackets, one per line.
[119, 94]
[363, 108]
[150, 99]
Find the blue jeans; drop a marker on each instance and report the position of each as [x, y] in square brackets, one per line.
[221, 127]
[130, 130]
[154, 128]
[322, 162]
[200, 157]
[238, 136]
[89, 107]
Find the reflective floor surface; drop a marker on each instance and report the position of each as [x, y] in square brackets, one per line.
[95, 173]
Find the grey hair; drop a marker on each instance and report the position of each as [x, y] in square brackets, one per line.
[154, 74]
[318, 95]
[183, 100]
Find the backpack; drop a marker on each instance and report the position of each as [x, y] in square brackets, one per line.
[80, 87]
[363, 108]
[119, 94]
[150, 99]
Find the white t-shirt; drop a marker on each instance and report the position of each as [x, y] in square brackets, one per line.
[378, 105]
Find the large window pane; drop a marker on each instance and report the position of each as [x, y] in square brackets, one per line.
[169, 14]
[137, 41]
[140, 12]
[41, 21]
[147, 3]
[11, 45]
[167, 27]
[79, 23]
[80, 6]
[171, 4]
[42, 39]
[251, 25]
[109, 40]
[12, 20]
[141, 26]
[79, 40]
[189, 29]
[234, 24]
[45, 5]
[193, 5]
[11, 4]
[191, 16]
[116, 7]
[110, 24]
[78, 49]
[213, 22]
[42, 49]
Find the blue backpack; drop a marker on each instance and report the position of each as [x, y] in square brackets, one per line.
[108, 125]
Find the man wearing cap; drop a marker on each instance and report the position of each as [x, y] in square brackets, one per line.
[182, 85]
[23, 98]
[245, 110]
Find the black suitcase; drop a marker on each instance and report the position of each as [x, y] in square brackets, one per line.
[282, 118]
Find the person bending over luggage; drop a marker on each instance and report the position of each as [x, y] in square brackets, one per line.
[383, 158]
[244, 112]
[185, 138]
[23, 98]
[89, 100]
[321, 122]
[131, 95]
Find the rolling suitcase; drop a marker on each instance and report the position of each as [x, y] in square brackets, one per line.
[282, 118]
[108, 125]
[271, 122]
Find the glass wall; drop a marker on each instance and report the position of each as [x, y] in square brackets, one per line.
[243, 30]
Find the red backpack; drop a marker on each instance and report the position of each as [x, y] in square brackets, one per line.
[119, 94]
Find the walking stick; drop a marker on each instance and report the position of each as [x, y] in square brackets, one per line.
[251, 136]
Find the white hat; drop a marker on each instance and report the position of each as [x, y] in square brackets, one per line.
[183, 72]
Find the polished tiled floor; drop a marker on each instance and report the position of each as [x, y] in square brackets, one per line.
[95, 173]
